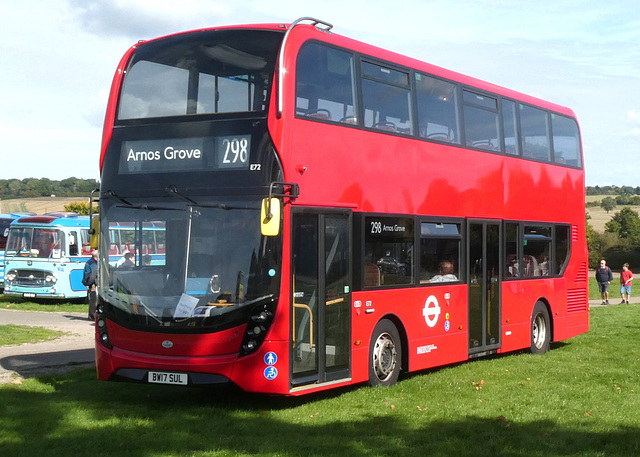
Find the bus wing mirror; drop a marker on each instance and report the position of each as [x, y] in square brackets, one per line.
[94, 231]
[270, 217]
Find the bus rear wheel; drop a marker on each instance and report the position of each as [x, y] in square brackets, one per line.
[540, 329]
[385, 354]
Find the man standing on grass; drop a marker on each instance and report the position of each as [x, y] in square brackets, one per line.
[604, 276]
[89, 279]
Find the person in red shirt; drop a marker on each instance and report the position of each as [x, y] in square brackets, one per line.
[625, 283]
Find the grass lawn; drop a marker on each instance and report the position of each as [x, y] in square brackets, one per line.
[580, 399]
[19, 334]
[11, 302]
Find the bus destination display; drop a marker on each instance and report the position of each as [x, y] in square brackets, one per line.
[185, 154]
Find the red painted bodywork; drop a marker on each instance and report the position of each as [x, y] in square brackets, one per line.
[374, 172]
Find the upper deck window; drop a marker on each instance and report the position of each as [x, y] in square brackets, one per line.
[481, 121]
[437, 113]
[566, 141]
[386, 98]
[509, 125]
[324, 84]
[535, 133]
[200, 73]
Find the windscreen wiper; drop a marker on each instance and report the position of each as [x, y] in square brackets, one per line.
[173, 190]
[111, 193]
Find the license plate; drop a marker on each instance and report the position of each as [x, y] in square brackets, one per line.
[160, 377]
[29, 295]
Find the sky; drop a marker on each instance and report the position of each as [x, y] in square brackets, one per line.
[59, 57]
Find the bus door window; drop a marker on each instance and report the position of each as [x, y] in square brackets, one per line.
[58, 245]
[73, 243]
[562, 248]
[321, 305]
[513, 257]
[484, 285]
[86, 245]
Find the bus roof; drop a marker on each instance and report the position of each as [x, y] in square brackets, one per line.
[61, 219]
[384, 54]
[15, 215]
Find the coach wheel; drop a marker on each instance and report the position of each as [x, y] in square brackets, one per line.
[385, 354]
[540, 329]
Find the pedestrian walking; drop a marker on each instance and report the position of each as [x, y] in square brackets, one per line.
[604, 276]
[89, 279]
[626, 276]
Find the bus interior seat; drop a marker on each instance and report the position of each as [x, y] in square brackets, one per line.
[320, 114]
[385, 126]
[371, 275]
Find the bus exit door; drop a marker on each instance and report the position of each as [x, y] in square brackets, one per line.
[484, 286]
[321, 297]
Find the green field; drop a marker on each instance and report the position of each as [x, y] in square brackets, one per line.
[18, 334]
[580, 399]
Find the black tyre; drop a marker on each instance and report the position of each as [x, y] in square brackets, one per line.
[540, 329]
[385, 355]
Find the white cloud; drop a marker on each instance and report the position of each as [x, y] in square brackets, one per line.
[58, 59]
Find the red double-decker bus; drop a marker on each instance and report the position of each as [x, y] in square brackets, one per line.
[333, 213]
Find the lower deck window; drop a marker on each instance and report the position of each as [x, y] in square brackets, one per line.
[439, 252]
[388, 251]
[535, 250]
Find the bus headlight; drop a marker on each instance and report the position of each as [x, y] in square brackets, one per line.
[11, 276]
[257, 327]
[104, 334]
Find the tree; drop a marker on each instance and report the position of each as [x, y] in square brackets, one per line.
[626, 224]
[608, 204]
[82, 208]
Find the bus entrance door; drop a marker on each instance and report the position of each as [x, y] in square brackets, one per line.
[321, 297]
[484, 286]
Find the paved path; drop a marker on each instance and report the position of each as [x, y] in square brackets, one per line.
[58, 356]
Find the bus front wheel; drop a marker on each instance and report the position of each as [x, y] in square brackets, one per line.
[540, 329]
[385, 354]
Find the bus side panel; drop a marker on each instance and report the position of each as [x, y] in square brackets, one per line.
[573, 324]
[75, 279]
[265, 371]
[434, 320]
[516, 312]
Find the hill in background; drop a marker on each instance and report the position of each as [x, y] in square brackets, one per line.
[39, 205]
[599, 217]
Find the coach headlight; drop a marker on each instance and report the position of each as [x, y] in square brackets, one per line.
[11, 276]
[51, 279]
